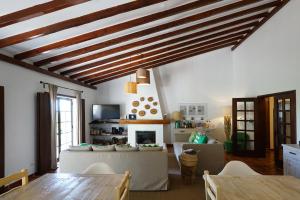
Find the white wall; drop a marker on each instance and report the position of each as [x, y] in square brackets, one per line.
[202, 79]
[269, 61]
[207, 79]
[21, 86]
[112, 92]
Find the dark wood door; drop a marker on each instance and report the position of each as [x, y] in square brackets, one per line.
[2, 136]
[284, 122]
[246, 137]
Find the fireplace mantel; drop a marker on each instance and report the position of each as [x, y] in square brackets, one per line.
[145, 121]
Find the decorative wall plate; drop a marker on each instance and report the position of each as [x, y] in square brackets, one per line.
[155, 103]
[142, 113]
[147, 106]
[134, 111]
[142, 99]
[135, 103]
[150, 99]
[153, 111]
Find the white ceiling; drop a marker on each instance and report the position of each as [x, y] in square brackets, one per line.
[89, 7]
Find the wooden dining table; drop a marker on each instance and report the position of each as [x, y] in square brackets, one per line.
[257, 187]
[59, 186]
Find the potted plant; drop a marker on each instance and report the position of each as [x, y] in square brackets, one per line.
[227, 131]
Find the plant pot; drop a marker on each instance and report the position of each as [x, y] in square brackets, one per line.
[228, 146]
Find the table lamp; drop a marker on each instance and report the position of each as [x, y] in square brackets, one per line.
[177, 117]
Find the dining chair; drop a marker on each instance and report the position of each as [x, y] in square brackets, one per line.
[122, 190]
[99, 168]
[21, 175]
[212, 191]
[237, 168]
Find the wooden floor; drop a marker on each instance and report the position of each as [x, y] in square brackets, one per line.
[264, 165]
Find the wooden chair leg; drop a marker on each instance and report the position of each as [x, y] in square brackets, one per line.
[25, 178]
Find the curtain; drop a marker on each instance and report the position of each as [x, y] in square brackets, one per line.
[79, 116]
[83, 120]
[43, 133]
[53, 96]
[2, 144]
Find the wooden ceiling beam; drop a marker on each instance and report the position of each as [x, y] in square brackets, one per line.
[143, 33]
[36, 11]
[78, 21]
[166, 55]
[263, 21]
[150, 56]
[141, 43]
[42, 71]
[115, 28]
[169, 45]
[163, 63]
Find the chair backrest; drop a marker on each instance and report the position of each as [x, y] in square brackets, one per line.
[21, 175]
[122, 190]
[212, 191]
[99, 168]
[237, 168]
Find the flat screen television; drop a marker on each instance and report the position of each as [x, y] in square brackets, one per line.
[104, 112]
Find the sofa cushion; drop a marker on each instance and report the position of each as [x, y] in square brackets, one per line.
[80, 148]
[150, 147]
[210, 156]
[125, 147]
[103, 148]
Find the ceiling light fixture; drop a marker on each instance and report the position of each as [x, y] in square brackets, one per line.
[143, 81]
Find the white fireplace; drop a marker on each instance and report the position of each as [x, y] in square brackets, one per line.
[135, 130]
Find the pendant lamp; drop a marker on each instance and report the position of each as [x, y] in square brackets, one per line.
[143, 81]
[142, 73]
[131, 87]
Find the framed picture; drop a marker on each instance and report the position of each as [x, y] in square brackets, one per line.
[201, 110]
[183, 109]
[192, 110]
[197, 110]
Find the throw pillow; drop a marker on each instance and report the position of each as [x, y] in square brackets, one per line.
[211, 141]
[79, 148]
[200, 139]
[103, 148]
[125, 147]
[192, 137]
[84, 144]
[150, 147]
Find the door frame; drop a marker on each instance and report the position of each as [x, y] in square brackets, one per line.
[2, 133]
[293, 116]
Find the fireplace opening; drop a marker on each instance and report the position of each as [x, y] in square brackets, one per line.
[145, 137]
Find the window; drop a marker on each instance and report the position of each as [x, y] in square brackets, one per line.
[66, 113]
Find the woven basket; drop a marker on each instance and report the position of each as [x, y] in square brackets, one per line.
[188, 160]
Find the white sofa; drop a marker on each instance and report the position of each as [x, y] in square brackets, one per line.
[149, 169]
[210, 156]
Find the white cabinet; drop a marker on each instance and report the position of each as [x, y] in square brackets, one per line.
[291, 160]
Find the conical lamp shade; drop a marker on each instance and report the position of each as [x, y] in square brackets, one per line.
[131, 88]
[143, 81]
[142, 73]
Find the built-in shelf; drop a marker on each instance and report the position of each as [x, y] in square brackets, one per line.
[145, 121]
[110, 135]
[105, 122]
